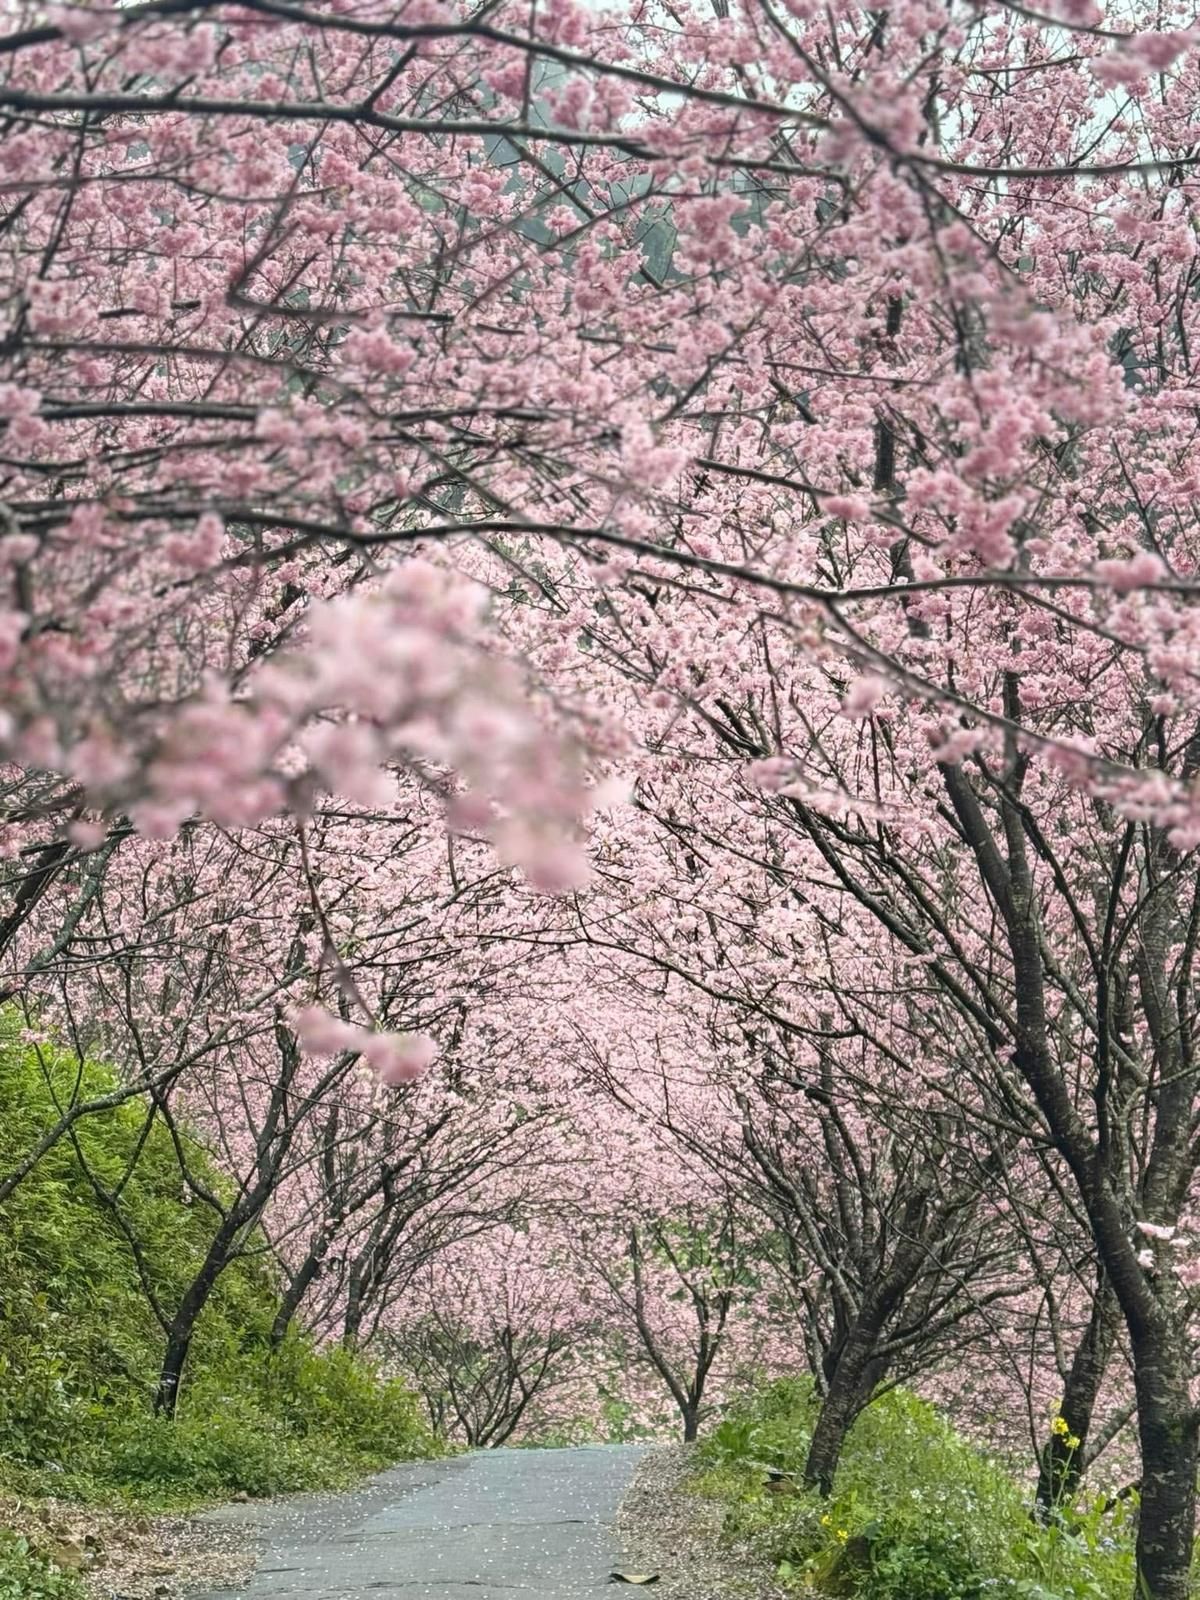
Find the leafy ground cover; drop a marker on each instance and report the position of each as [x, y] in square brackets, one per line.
[28, 1574]
[917, 1513]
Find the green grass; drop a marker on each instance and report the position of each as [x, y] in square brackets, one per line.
[917, 1513]
[80, 1346]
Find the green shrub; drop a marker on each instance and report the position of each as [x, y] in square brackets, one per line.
[917, 1513]
[233, 1449]
[772, 1430]
[338, 1394]
[80, 1346]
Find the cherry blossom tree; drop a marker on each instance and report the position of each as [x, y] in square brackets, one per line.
[491, 1331]
[673, 1280]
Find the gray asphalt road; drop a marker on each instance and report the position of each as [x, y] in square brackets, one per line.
[478, 1527]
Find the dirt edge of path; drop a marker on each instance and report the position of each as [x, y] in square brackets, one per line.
[665, 1528]
[124, 1555]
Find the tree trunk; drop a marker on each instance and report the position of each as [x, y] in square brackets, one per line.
[166, 1395]
[183, 1324]
[1167, 1432]
[352, 1325]
[1061, 1465]
[859, 1370]
[860, 1367]
[691, 1424]
[295, 1292]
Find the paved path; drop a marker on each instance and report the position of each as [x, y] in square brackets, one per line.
[485, 1526]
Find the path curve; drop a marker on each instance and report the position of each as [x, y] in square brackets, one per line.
[484, 1526]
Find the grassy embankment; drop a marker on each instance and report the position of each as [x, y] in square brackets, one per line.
[80, 1345]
